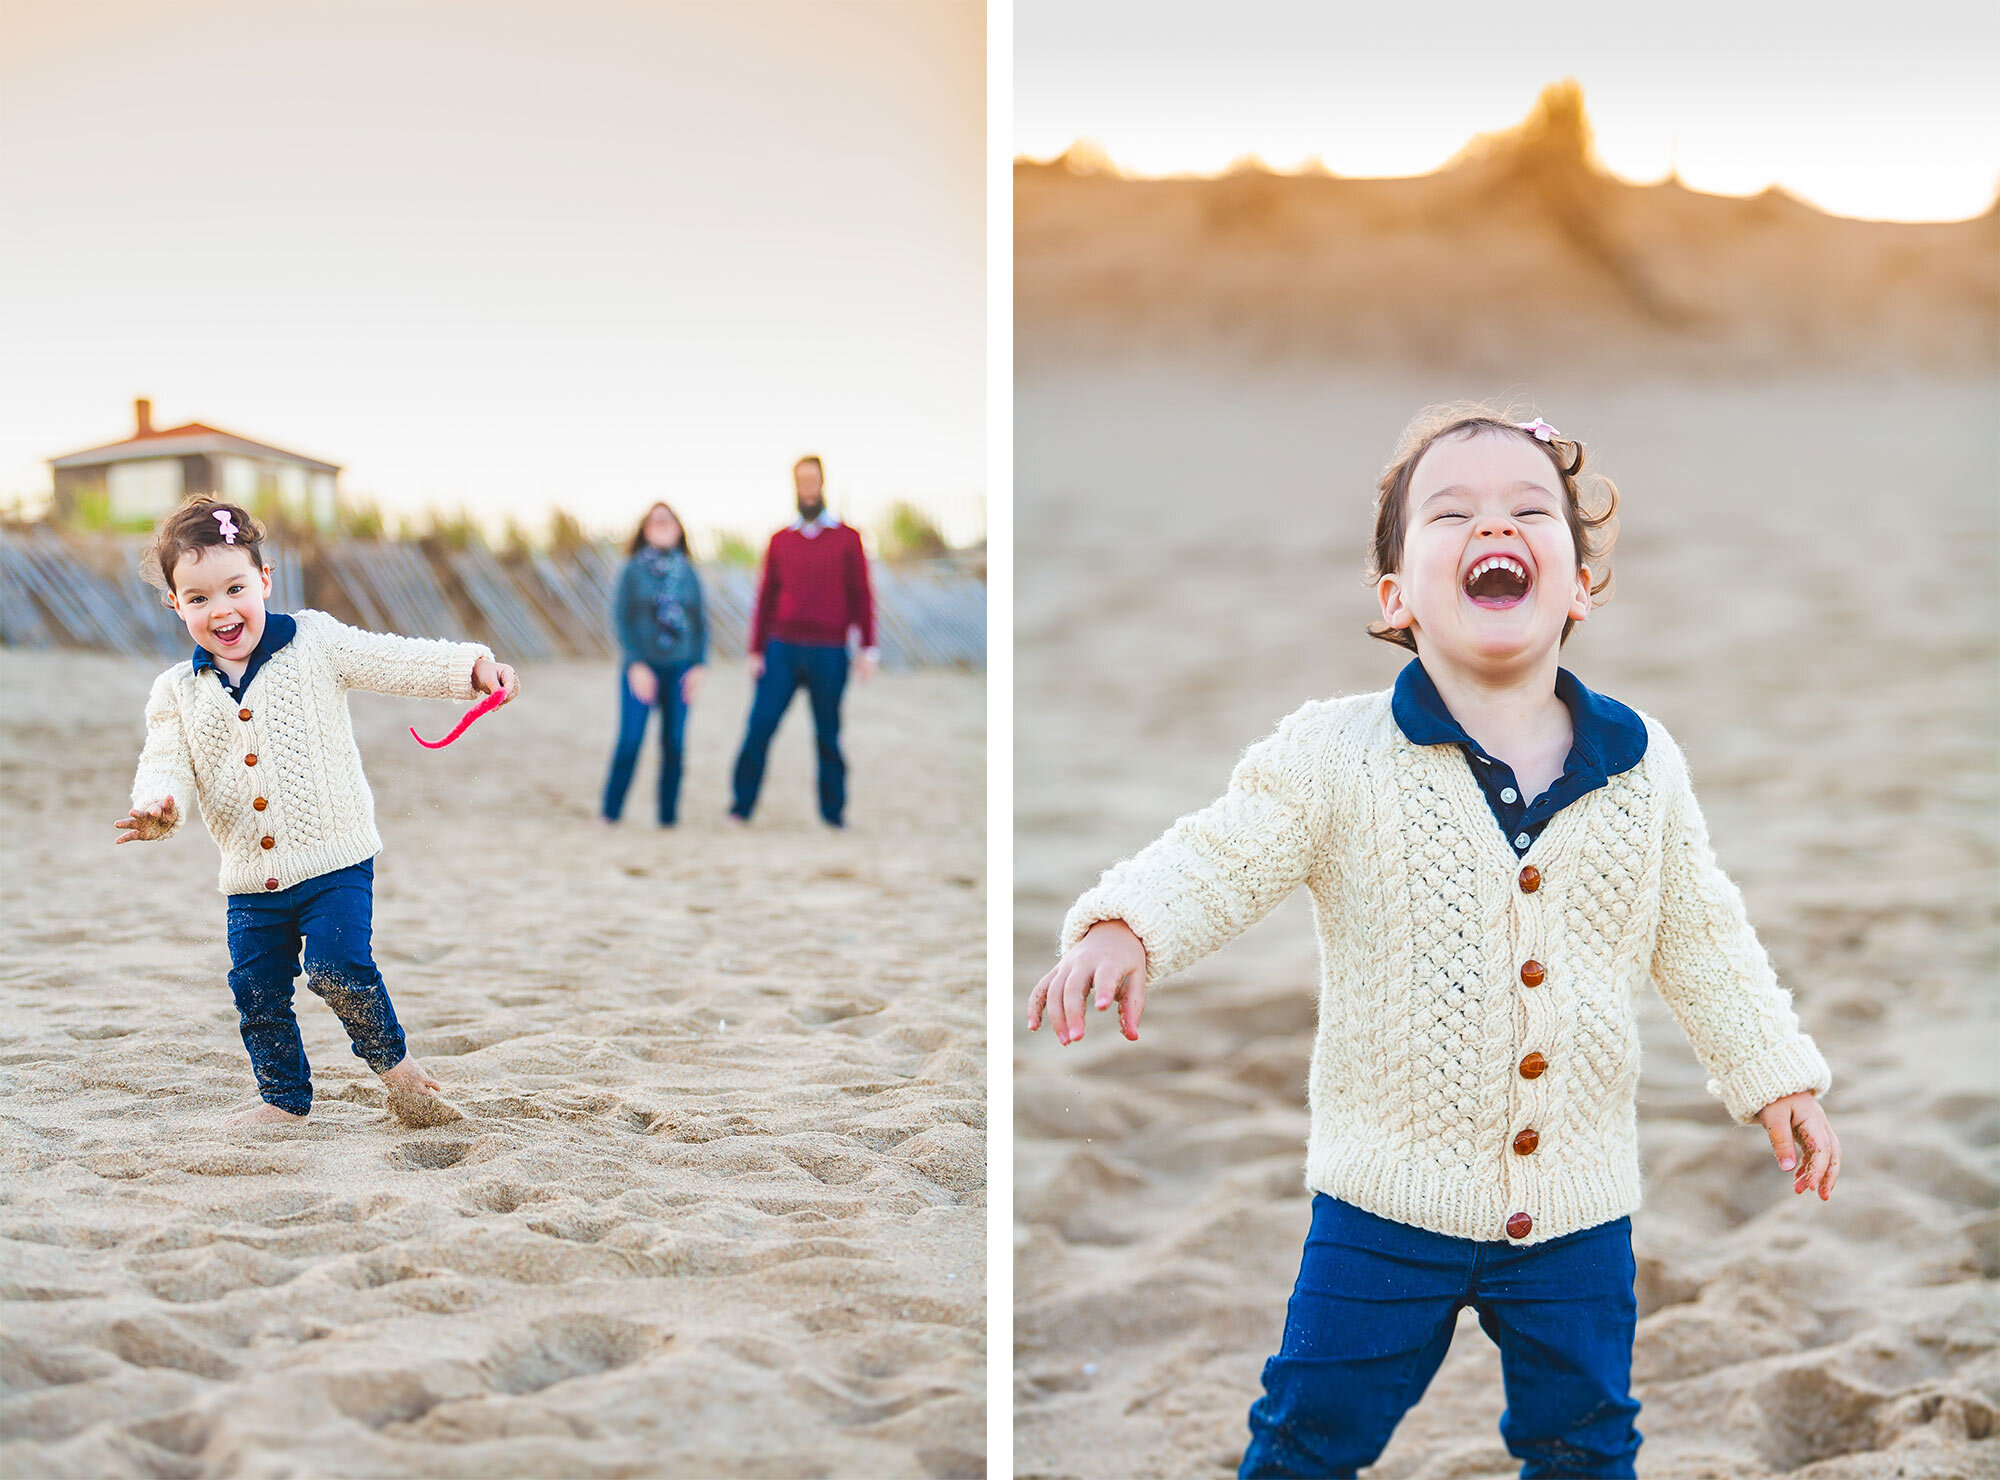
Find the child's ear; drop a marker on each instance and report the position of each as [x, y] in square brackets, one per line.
[266, 573]
[1580, 599]
[1395, 612]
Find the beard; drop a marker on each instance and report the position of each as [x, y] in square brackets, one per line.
[811, 509]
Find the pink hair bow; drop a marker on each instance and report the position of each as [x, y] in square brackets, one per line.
[229, 530]
[1540, 430]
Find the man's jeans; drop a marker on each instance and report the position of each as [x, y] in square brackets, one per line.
[632, 737]
[332, 916]
[822, 672]
[1372, 1316]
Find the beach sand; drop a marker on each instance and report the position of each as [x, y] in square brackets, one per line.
[1807, 598]
[717, 1205]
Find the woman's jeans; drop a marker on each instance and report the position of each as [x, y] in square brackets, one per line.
[333, 917]
[1372, 1316]
[632, 736]
[789, 666]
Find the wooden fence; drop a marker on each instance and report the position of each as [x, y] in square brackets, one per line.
[88, 593]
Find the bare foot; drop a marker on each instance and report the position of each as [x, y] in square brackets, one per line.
[263, 1115]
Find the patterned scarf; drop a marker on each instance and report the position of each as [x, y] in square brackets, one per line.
[671, 595]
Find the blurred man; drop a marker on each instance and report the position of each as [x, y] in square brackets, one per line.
[813, 594]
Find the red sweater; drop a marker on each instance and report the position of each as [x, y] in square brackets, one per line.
[814, 590]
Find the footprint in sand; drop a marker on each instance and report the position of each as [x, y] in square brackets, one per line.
[420, 1111]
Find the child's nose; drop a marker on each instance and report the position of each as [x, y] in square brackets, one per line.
[1497, 527]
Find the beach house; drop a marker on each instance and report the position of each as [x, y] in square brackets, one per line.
[134, 481]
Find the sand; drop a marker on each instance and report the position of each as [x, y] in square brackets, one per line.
[716, 1205]
[1521, 255]
[1807, 598]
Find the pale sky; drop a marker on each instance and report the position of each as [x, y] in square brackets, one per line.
[507, 255]
[1886, 109]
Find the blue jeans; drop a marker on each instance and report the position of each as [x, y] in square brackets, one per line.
[632, 736]
[1372, 1316]
[333, 917]
[789, 666]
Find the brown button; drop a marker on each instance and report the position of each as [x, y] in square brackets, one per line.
[1519, 1225]
[260, 804]
[1532, 974]
[243, 714]
[270, 842]
[270, 883]
[1531, 879]
[250, 759]
[1526, 1142]
[1532, 1066]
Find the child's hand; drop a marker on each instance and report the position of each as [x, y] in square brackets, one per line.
[488, 675]
[150, 823]
[641, 681]
[1110, 958]
[1801, 1118]
[691, 683]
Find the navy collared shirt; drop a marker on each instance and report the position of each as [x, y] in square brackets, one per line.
[1607, 738]
[279, 629]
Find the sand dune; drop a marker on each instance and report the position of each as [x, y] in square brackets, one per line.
[1523, 255]
[716, 1207]
[1806, 598]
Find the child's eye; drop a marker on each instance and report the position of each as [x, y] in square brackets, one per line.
[1450, 514]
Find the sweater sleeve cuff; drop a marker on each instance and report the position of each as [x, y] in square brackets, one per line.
[470, 654]
[1786, 1068]
[1147, 920]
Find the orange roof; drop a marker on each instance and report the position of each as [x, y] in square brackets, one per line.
[200, 432]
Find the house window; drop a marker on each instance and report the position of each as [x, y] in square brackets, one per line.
[292, 489]
[324, 506]
[239, 480]
[143, 489]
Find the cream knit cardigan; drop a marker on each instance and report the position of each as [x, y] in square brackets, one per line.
[1416, 1092]
[318, 812]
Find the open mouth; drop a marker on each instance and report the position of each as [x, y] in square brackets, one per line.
[228, 636]
[1498, 582]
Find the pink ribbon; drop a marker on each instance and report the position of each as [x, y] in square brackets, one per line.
[485, 706]
[228, 526]
[1540, 430]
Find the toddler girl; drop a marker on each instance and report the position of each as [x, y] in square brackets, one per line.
[1499, 859]
[256, 726]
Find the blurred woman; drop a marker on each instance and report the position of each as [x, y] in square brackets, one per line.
[664, 637]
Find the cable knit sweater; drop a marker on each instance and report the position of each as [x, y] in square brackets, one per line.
[1424, 1072]
[282, 790]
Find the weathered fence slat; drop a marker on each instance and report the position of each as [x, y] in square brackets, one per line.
[149, 608]
[556, 601]
[513, 621]
[288, 588]
[590, 630]
[394, 589]
[87, 605]
[21, 621]
[354, 585]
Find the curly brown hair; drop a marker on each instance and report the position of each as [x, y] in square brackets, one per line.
[1590, 500]
[193, 526]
